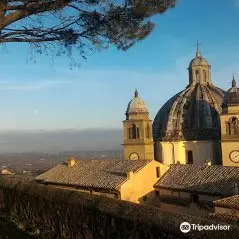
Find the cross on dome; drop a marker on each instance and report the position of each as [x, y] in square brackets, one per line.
[233, 81]
[136, 94]
[198, 53]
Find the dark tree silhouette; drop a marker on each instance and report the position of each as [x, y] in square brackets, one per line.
[58, 25]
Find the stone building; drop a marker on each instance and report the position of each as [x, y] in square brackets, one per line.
[191, 189]
[130, 180]
[199, 124]
[226, 209]
[6, 172]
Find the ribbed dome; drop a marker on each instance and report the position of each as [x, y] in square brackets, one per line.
[136, 105]
[192, 114]
[231, 97]
[198, 60]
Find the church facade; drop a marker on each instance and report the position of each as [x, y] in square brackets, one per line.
[198, 125]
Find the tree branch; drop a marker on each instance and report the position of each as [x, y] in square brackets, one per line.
[33, 8]
[85, 24]
[3, 6]
[30, 40]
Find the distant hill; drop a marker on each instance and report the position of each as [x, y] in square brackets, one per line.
[60, 140]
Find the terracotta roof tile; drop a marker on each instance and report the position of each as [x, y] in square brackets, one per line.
[228, 202]
[216, 179]
[224, 217]
[105, 174]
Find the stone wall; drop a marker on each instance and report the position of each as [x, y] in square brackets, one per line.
[56, 213]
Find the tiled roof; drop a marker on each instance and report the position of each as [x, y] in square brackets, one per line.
[6, 172]
[223, 217]
[104, 174]
[228, 202]
[216, 179]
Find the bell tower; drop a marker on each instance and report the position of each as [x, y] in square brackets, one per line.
[230, 127]
[137, 136]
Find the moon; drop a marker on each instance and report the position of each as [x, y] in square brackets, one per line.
[35, 112]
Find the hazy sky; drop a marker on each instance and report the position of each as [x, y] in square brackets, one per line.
[47, 96]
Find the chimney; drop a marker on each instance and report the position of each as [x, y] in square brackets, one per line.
[236, 191]
[130, 174]
[71, 162]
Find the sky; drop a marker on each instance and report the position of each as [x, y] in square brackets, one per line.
[49, 95]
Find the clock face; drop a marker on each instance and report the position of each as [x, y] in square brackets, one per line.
[134, 156]
[234, 156]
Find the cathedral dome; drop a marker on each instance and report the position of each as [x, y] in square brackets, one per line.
[231, 97]
[136, 105]
[192, 114]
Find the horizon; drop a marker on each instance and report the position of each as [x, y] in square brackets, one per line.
[52, 95]
[23, 141]
[61, 129]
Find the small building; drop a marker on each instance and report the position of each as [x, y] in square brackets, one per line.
[226, 209]
[6, 172]
[130, 180]
[26, 172]
[191, 189]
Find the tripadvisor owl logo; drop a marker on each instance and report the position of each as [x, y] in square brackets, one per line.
[185, 227]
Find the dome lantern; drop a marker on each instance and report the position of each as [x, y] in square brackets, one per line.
[198, 53]
[199, 70]
[231, 97]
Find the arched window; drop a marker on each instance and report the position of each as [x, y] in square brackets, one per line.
[233, 126]
[133, 132]
[197, 76]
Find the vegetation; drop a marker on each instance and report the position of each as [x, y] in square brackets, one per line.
[55, 26]
[48, 212]
[9, 230]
